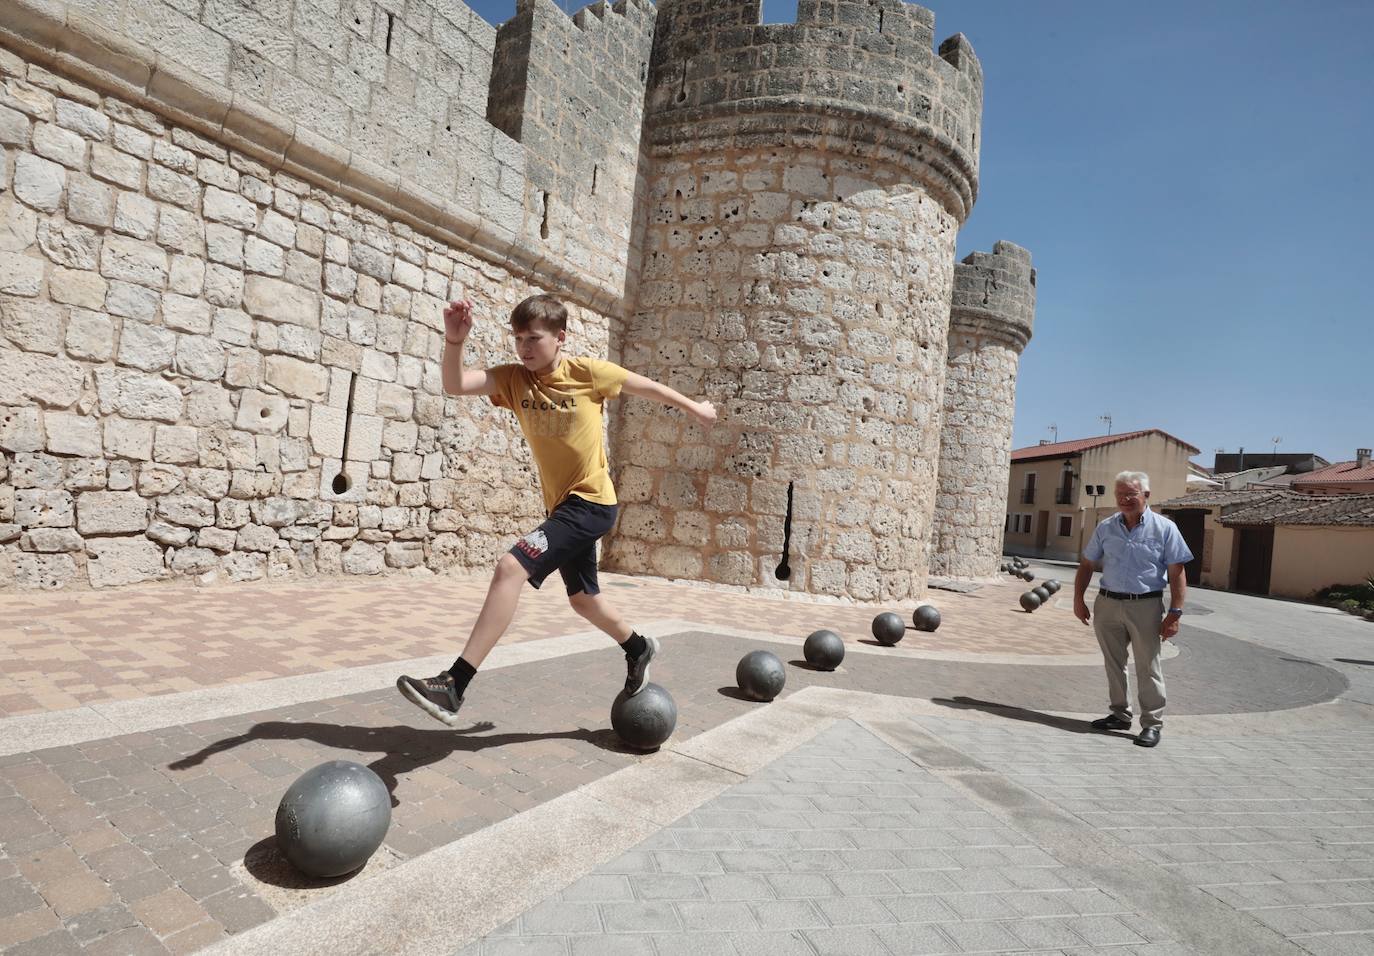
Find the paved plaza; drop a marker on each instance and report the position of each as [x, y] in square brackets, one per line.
[942, 796]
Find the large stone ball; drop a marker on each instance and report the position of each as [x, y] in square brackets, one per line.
[760, 675]
[333, 818]
[888, 628]
[926, 617]
[823, 650]
[1029, 601]
[645, 720]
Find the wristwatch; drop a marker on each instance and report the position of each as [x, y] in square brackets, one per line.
[1176, 610]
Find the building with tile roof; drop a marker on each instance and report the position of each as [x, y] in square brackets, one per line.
[1059, 491]
[1269, 540]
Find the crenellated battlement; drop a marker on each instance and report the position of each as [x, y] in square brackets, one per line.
[994, 293]
[863, 74]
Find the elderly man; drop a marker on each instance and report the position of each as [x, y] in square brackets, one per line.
[1137, 551]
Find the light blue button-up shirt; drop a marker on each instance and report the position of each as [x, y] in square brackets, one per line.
[1137, 560]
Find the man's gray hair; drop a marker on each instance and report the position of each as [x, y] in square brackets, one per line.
[1138, 478]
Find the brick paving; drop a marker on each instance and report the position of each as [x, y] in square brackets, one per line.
[62, 650]
[133, 838]
[843, 846]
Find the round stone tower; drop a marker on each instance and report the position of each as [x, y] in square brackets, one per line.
[990, 321]
[804, 184]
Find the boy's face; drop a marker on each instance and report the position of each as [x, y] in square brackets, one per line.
[538, 348]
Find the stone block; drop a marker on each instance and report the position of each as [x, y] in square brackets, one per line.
[51, 381]
[44, 572]
[32, 326]
[200, 357]
[186, 314]
[20, 429]
[134, 261]
[296, 378]
[90, 201]
[216, 539]
[111, 512]
[365, 437]
[39, 183]
[72, 434]
[68, 244]
[363, 558]
[146, 347]
[156, 479]
[111, 562]
[18, 226]
[77, 287]
[135, 216]
[327, 430]
[51, 540]
[262, 413]
[176, 444]
[127, 439]
[43, 508]
[20, 275]
[187, 276]
[188, 510]
[268, 298]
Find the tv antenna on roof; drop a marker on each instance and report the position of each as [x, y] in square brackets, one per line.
[1108, 420]
[1055, 429]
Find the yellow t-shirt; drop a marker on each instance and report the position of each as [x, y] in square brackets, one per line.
[560, 414]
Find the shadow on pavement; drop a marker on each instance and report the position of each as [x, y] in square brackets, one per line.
[1030, 716]
[1354, 660]
[403, 748]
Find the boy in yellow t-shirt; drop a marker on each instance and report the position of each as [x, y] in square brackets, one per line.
[558, 401]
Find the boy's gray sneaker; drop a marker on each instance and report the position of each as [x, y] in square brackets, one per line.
[434, 695]
[637, 669]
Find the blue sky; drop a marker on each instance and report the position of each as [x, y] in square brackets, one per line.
[1194, 182]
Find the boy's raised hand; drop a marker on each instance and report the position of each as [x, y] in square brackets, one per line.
[705, 413]
[458, 320]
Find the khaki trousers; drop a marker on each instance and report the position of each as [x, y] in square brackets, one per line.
[1132, 624]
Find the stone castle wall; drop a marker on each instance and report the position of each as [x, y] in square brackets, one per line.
[227, 229]
[212, 368]
[797, 268]
[991, 317]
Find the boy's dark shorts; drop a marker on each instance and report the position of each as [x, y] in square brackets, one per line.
[566, 542]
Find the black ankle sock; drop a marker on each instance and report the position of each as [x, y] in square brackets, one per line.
[635, 645]
[462, 672]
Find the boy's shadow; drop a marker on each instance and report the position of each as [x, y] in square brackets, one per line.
[402, 748]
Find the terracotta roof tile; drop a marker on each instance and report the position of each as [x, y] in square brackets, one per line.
[1059, 449]
[1292, 508]
[1339, 472]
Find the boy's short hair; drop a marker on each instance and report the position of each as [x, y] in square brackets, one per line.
[543, 311]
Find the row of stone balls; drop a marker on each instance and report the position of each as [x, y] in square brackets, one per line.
[1018, 569]
[760, 675]
[1037, 596]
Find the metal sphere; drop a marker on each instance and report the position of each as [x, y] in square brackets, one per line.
[926, 617]
[1053, 585]
[1029, 601]
[823, 650]
[645, 720]
[1042, 592]
[760, 675]
[888, 629]
[333, 818]
[1026, 575]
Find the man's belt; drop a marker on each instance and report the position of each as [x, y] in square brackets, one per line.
[1122, 596]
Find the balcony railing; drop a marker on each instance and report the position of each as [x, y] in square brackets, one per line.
[1063, 496]
[1027, 496]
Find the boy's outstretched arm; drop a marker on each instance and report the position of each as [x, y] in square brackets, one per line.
[457, 379]
[641, 387]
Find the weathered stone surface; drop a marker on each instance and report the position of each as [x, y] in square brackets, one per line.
[72, 434]
[48, 380]
[296, 378]
[268, 298]
[43, 508]
[39, 183]
[20, 429]
[111, 512]
[52, 540]
[262, 413]
[112, 562]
